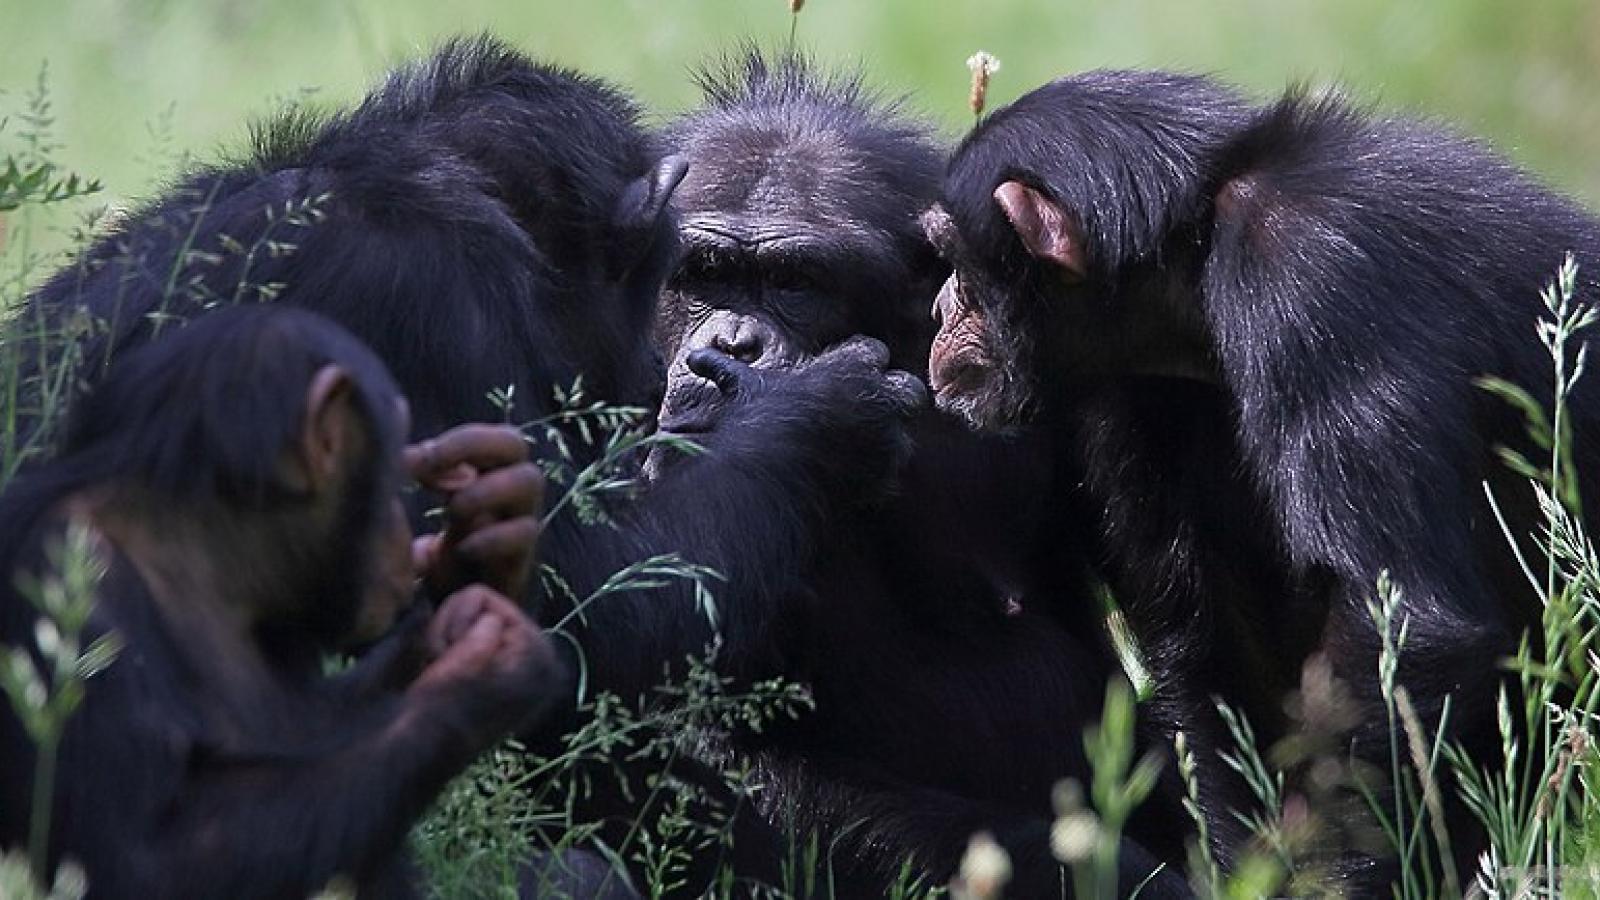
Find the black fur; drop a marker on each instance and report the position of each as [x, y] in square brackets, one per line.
[954, 655]
[484, 221]
[193, 772]
[1339, 278]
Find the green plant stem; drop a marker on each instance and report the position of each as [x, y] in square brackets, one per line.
[180, 260]
[44, 776]
[1397, 791]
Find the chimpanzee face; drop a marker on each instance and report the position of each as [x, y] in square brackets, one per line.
[392, 580]
[1012, 322]
[371, 533]
[771, 274]
[767, 313]
[979, 363]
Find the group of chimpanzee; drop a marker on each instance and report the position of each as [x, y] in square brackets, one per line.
[1214, 355]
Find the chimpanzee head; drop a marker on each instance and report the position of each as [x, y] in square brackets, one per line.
[798, 220]
[565, 155]
[480, 220]
[1073, 220]
[273, 439]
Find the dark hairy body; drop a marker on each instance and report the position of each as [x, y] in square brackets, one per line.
[486, 222]
[1333, 281]
[236, 486]
[467, 269]
[950, 642]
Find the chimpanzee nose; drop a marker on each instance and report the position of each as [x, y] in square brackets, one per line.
[745, 346]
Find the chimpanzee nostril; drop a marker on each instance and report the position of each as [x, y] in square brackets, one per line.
[746, 346]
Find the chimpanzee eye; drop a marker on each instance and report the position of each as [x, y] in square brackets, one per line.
[701, 268]
[791, 278]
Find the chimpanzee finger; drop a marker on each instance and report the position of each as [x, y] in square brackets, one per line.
[721, 369]
[503, 553]
[455, 616]
[906, 391]
[859, 348]
[498, 604]
[525, 649]
[518, 634]
[482, 447]
[481, 638]
[425, 552]
[507, 493]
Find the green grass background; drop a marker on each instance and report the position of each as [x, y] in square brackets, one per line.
[1523, 74]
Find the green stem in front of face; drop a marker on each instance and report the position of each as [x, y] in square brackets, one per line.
[44, 776]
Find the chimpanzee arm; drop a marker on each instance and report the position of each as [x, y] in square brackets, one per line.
[792, 447]
[166, 791]
[152, 811]
[289, 824]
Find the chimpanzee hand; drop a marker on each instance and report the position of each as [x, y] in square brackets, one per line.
[491, 664]
[493, 498]
[842, 410]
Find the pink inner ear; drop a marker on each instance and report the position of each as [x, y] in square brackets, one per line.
[1046, 229]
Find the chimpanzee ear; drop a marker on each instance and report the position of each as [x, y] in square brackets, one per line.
[326, 430]
[1049, 232]
[646, 198]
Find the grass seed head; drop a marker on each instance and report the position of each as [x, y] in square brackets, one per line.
[983, 66]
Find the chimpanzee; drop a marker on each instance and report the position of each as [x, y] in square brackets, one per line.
[237, 483]
[483, 221]
[486, 222]
[953, 654]
[1332, 281]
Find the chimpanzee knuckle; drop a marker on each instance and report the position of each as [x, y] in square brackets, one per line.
[532, 658]
[907, 392]
[729, 375]
[524, 490]
[502, 493]
[862, 350]
[495, 447]
[472, 596]
[461, 610]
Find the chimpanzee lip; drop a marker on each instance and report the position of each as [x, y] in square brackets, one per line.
[682, 424]
[959, 376]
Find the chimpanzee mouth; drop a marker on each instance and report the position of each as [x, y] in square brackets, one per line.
[683, 424]
[690, 407]
[958, 379]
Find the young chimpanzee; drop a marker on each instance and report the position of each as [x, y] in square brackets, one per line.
[953, 654]
[237, 482]
[1264, 326]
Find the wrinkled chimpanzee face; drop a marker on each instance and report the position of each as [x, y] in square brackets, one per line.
[780, 261]
[980, 364]
[1024, 313]
[765, 299]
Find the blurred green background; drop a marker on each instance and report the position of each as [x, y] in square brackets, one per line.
[1519, 73]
